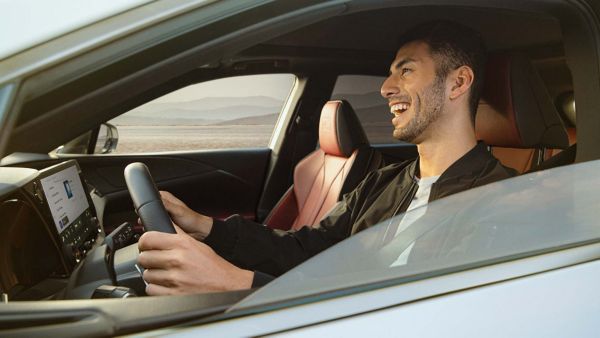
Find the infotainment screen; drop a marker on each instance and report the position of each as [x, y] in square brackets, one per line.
[65, 196]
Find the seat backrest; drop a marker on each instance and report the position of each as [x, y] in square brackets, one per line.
[322, 177]
[559, 157]
[516, 116]
[572, 133]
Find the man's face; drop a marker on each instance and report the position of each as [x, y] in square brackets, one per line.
[414, 92]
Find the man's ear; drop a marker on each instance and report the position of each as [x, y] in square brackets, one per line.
[461, 80]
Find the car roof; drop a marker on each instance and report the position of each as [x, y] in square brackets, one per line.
[31, 19]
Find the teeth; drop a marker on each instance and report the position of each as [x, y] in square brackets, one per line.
[399, 108]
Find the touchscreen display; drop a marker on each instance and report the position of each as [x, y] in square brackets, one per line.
[66, 196]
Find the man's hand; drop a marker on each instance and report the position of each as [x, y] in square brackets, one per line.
[179, 264]
[195, 224]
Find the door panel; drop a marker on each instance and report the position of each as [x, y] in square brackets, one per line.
[215, 183]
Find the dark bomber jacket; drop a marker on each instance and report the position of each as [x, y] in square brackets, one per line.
[378, 197]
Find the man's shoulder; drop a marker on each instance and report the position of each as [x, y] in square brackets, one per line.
[389, 171]
[378, 180]
[396, 167]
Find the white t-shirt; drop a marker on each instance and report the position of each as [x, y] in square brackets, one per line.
[420, 200]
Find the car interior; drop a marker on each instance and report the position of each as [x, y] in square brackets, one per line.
[342, 160]
[321, 148]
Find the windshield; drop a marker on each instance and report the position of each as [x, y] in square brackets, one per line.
[495, 223]
[67, 15]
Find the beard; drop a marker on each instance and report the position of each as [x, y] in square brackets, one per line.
[428, 108]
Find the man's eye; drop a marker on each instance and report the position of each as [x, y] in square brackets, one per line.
[405, 71]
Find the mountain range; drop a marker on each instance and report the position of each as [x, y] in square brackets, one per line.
[255, 110]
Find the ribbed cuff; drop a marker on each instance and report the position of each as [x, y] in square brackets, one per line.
[261, 279]
[221, 238]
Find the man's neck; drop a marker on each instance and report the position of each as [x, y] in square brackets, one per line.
[439, 153]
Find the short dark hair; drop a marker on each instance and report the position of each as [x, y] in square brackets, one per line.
[452, 45]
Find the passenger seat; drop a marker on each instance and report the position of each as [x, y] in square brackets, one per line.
[321, 179]
[516, 116]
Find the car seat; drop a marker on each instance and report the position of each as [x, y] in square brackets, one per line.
[559, 157]
[516, 116]
[342, 160]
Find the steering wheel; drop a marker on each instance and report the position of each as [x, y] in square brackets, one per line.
[99, 275]
[146, 199]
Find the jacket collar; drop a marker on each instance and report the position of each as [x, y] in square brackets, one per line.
[469, 164]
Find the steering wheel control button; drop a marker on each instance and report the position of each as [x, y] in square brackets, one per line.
[120, 237]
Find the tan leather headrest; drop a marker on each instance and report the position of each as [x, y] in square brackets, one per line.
[516, 110]
[340, 131]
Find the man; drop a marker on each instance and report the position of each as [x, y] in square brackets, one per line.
[433, 91]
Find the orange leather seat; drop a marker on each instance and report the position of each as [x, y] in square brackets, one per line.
[572, 134]
[516, 116]
[322, 177]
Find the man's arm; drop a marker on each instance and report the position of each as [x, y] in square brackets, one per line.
[247, 244]
[179, 264]
[193, 223]
[254, 246]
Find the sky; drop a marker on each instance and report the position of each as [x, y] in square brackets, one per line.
[277, 86]
[28, 22]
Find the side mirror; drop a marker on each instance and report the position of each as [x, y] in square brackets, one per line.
[108, 137]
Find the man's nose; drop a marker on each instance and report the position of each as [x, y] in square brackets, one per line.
[389, 88]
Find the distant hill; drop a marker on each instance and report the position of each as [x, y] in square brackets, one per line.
[159, 121]
[200, 112]
[206, 107]
[214, 103]
[269, 119]
[255, 110]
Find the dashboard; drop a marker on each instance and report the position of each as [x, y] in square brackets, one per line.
[48, 225]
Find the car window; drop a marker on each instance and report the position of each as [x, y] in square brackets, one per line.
[499, 222]
[362, 92]
[233, 112]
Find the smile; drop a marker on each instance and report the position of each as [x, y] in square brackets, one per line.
[399, 108]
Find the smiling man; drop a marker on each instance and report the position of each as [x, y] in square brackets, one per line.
[433, 90]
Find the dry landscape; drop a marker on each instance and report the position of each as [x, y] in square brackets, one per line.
[140, 139]
[143, 139]
[223, 123]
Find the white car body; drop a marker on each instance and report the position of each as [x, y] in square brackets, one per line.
[543, 284]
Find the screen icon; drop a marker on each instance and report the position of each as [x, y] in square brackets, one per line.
[68, 189]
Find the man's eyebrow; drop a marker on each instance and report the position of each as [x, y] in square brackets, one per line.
[403, 62]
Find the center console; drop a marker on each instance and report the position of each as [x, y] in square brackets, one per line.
[63, 198]
[51, 243]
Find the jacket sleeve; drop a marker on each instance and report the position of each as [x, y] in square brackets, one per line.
[254, 246]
